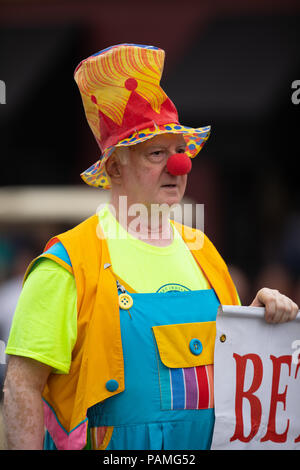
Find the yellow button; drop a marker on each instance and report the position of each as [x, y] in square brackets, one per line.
[125, 301]
[223, 338]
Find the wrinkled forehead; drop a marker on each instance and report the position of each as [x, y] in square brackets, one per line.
[163, 140]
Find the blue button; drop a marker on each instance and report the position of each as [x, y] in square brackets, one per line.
[112, 385]
[196, 346]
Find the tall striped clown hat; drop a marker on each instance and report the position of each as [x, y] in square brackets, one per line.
[125, 105]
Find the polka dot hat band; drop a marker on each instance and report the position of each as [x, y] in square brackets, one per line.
[125, 105]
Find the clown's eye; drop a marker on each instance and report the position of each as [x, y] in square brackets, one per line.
[157, 155]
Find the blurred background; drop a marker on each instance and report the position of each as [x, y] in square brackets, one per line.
[229, 64]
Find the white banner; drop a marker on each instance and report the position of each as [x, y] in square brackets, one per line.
[256, 381]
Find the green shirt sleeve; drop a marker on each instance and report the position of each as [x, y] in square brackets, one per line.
[44, 325]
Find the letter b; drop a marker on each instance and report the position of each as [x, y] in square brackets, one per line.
[241, 394]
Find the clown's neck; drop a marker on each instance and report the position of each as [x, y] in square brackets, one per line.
[149, 223]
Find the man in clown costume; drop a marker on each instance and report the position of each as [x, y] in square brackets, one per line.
[112, 341]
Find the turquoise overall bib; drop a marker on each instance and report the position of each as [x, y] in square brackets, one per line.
[161, 407]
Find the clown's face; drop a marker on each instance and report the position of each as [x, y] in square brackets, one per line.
[145, 178]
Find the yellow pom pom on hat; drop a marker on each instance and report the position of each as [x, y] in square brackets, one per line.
[125, 105]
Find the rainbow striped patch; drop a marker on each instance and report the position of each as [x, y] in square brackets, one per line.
[189, 388]
[100, 437]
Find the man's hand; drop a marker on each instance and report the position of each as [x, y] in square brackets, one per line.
[278, 307]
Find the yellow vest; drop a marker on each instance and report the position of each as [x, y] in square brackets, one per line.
[97, 356]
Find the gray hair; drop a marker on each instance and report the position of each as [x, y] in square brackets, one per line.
[122, 153]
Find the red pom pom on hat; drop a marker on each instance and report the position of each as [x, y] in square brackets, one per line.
[179, 164]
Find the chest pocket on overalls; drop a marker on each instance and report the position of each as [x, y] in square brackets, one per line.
[185, 356]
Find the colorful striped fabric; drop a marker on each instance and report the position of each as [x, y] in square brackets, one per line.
[58, 250]
[188, 388]
[55, 251]
[100, 437]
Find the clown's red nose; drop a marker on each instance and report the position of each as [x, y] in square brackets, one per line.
[179, 164]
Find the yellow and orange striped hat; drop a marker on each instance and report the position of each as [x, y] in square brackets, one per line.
[125, 105]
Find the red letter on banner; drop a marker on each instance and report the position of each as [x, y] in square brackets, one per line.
[271, 434]
[298, 365]
[240, 394]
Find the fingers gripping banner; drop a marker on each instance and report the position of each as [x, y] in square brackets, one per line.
[256, 381]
